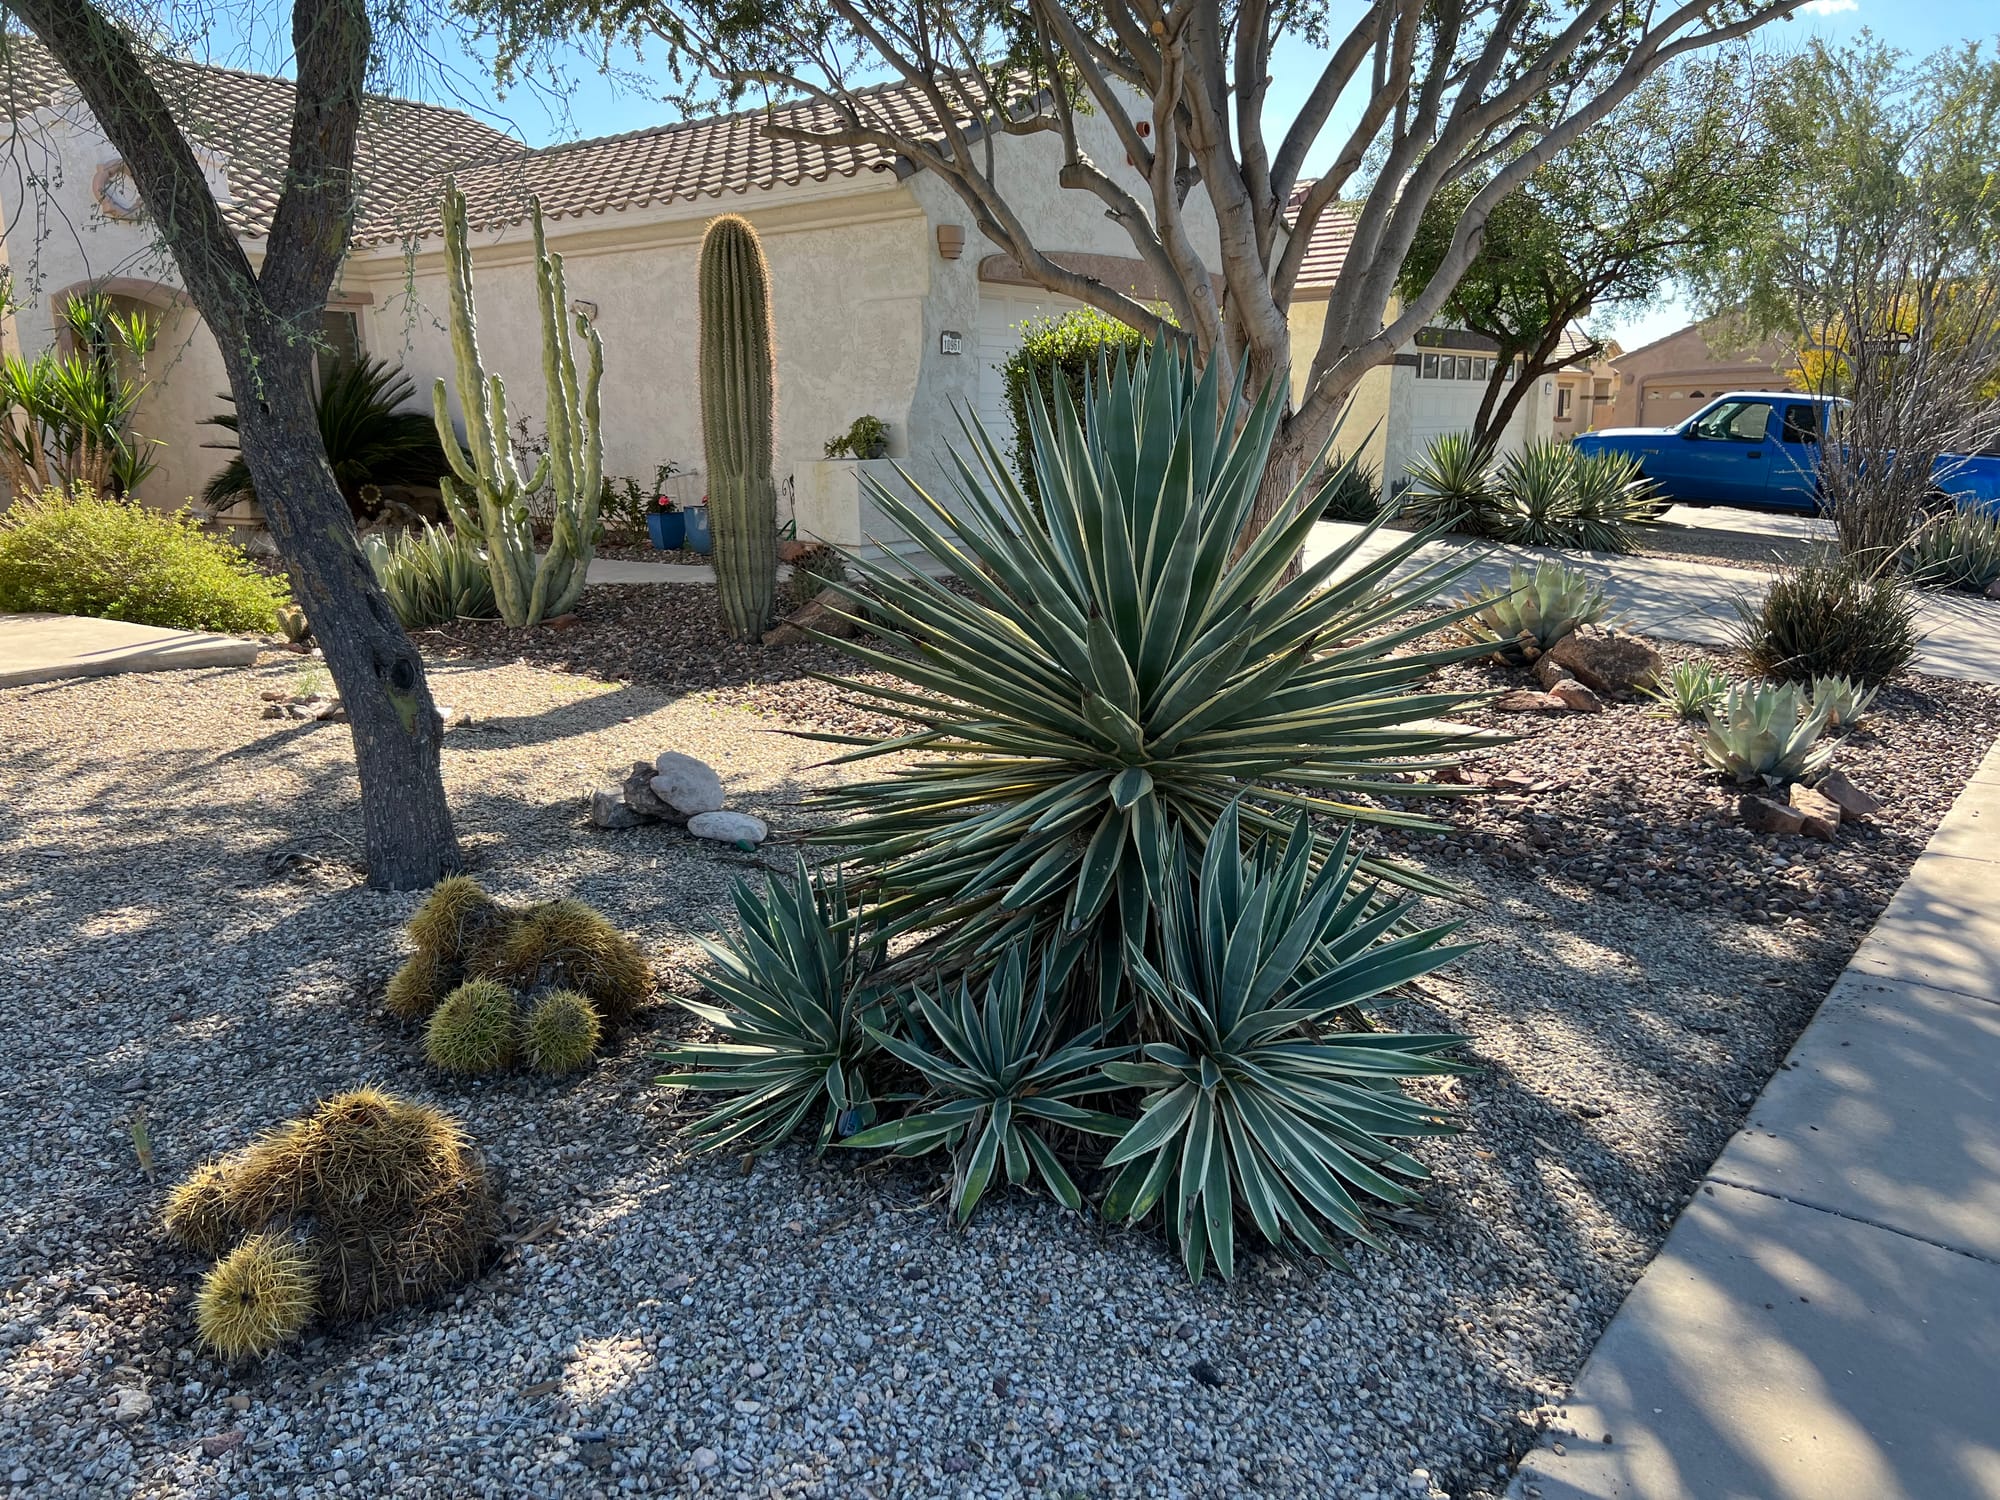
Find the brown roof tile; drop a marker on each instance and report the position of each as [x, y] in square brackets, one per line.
[248, 117]
[1333, 237]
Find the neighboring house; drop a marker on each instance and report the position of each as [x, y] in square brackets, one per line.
[886, 301]
[1662, 383]
[1585, 392]
[1433, 385]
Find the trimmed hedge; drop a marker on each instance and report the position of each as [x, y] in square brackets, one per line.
[82, 554]
[1074, 344]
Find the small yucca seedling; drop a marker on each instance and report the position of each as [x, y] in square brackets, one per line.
[561, 1032]
[475, 1031]
[258, 1296]
[1763, 732]
[1842, 700]
[1690, 690]
[1535, 609]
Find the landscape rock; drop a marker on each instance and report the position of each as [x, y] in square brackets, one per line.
[1849, 798]
[687, 785]
[817, 613]
[1821, 814]
[729, 828]
[640, 796]
[1762, 815]
[1549, 672]
[561, 622]
[1608, 661]
[130, 1404]
[1993, 589]
[1576, 697]
[609, 810]
[1527, 701]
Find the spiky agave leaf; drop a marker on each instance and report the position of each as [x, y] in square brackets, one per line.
[1759, 731]
[1537, 608]
[797, 1001]
[1001, 1074]
[1109, 672]
[1254, 1105]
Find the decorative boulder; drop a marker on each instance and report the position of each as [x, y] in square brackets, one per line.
[729, 828]
[639, 794]
[1762, 815]
[608, 809]
[1608, 661]
[687, 785]
[1821, 814]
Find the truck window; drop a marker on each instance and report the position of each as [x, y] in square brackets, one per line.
[1801, 424]
[1735, 422]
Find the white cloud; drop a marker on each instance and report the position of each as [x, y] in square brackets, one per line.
[1830, 7]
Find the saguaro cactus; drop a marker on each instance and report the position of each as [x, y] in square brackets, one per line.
[528, 588]
[738, 387]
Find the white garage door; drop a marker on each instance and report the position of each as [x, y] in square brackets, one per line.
[1002, 311]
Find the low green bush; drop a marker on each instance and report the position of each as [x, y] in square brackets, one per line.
[1961, 551]
[80, 553]
[1072, 347]
[1829, 618]
[1544, 495]
[432, 577]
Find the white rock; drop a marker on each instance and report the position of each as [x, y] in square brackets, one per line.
[131, 1404]
[729, 828]
[706, 1459]
[687, 785]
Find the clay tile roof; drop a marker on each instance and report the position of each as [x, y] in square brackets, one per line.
[246, 118]
[689, 160]
[1332, 237]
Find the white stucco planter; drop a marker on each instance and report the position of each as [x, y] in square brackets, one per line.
[832, 503]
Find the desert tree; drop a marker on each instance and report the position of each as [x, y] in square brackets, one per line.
[1448, 91]
[1642, 202]
[265, 319]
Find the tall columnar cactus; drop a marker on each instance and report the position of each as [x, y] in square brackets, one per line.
[528, 588]
[738, 387]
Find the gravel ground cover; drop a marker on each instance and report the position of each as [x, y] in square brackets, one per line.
[191, 943]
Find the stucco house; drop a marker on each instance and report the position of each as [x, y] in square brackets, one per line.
[1661, 383]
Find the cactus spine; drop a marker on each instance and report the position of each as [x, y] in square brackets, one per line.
[493, 508]
[738, 388]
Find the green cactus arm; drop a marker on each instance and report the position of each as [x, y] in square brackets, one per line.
[454, 454]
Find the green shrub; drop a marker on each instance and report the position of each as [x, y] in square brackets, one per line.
[78, 553]
[1072, 347]
[1765, 732]
[1690, 690]
[1828, 618]
[1961, 551]
[867, 437]
[432, 576]
[1452, 484]
[1544, 495]
[1535, 609]
[1353, 491]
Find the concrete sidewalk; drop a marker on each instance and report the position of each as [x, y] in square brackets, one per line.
[1684, 601]
[41, 648]
[1824, 1321]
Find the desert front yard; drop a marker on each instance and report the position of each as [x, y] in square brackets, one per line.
[195, 954]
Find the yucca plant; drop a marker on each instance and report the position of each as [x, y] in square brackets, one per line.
[1113, 673]
[1830, 617]
[1842, 700]
[1452, 484]
[1690, 690]
[798, 999]
[1611, 497]
[1001, 1075]
[1765, 732]
[1256, 1105]
[1353, 490]
[1549, 495]
[432, 576]
[1959, 551]
[1535, 609]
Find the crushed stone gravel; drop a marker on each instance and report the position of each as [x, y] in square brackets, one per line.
[190, 942]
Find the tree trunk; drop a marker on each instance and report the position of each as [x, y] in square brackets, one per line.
[405, 822]
[1494, 422]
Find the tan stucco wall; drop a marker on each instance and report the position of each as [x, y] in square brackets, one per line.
[1656, 382]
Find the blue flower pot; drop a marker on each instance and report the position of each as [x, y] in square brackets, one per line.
[698, 537]
[668, 527]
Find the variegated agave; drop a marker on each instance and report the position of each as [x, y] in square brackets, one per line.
[1111, 674]
[1255, 1104]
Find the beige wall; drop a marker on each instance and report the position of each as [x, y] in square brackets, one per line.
[1669, 380]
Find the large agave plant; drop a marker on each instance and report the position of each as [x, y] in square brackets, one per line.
[1113, 673]
[798, 1003]
[1001, 1075]
[1535, 609]
[1256, 1105]
[1961, 550]
[1762, 732]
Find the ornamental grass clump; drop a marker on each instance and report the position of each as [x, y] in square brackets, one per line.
[1086, 931]
[1829, 617]
[494, 985]
[369, 1203]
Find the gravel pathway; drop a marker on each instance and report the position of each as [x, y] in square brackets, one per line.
[190, 942]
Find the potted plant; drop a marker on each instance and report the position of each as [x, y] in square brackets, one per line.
[665, 524]
[867, 438]
[695, 520]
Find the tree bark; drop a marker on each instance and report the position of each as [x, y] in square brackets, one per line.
[265, 324]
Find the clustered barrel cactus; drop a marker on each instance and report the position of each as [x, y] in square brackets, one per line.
[527, 587]
[497, 985]
[738, 391]
[368, 1203]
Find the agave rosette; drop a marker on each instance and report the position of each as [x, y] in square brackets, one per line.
[1113, 674]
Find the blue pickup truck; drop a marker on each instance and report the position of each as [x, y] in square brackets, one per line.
[1761, 448]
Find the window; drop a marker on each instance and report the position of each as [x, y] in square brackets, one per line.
[1801, 424]
[1446, 367]
[1430, 371]
[1465, 367]
[1481, 368]
[1735, 422]
[340, 336]
[1563, 394]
